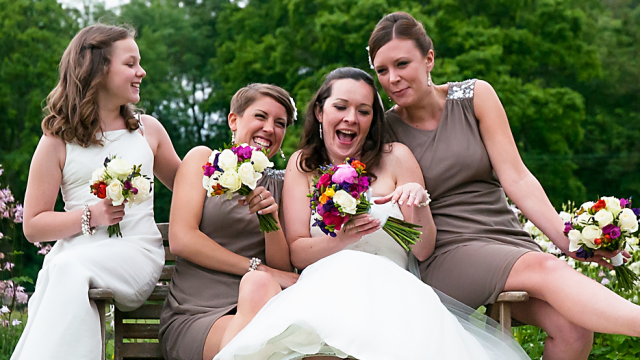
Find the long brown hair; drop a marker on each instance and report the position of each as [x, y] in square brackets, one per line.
[72, 106]
[314, 153]
[399, 25]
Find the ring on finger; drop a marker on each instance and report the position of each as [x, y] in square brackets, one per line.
[261, 198]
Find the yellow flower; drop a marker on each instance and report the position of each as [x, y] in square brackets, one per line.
[329, 192]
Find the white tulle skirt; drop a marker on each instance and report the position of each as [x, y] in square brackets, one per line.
[364, 306]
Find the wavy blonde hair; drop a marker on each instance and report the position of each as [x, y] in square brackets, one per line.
[71, 112]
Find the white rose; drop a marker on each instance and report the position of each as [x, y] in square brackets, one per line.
[248, 176]
[97, 175]
[227, 160]
[230, 180]
[119, 168]
[212, 157]
[589, 234]
[633, 241]
[583, 219]
[565, 216]
[603, 217]
[260, 161]
[574, 240]
[628, 221]
[206, 184]
[144, 190]
[528, 227]
[114, 192]
[586, 206]
[613, 204]
[346, 201]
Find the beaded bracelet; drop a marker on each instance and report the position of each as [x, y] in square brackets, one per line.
[86, 219]
[426, 202]
[253, 264]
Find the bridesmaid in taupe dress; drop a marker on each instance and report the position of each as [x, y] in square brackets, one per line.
[460, 135]
[213, 294]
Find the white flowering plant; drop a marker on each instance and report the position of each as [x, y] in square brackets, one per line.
[237, 169]
[119, 180]
[607, 224]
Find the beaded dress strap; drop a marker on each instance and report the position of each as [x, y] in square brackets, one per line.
[461, 90]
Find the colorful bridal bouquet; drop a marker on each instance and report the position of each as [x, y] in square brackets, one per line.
[606, 224]
[341, 192]
[120, 181]
[237, 169]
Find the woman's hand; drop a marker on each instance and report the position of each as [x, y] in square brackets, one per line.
[261, 201]
[410, 193]
[357, 227]
[105, 213]
[284, 278]
[600, 256]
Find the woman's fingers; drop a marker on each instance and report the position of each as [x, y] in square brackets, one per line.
[269, 209]
[384, 199]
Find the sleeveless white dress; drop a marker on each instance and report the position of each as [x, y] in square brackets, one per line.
[62, 322]
[362, 303]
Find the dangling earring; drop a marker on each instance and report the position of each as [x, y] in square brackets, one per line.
[320, 131]
[429, 79]
[233, 137]
[282, 154]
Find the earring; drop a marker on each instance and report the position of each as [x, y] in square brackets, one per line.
[320, 131]
[233, 137]
[282, 154]
[429, 79]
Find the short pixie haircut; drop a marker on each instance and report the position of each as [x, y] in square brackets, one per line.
[246, 96]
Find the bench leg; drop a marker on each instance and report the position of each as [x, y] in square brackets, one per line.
[100, 304]
[505, 316]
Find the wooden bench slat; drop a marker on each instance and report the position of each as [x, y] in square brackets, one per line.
[167, 272]
[140, 331]
[141, 351]
[168, 256]
[146, 311]
[159, 293]
[100, 294]
[513, 296]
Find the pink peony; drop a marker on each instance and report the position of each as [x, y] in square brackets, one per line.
[325, 180]
[344, 173]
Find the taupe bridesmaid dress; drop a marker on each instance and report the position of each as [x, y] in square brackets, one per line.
[479, 238]
[199, 296]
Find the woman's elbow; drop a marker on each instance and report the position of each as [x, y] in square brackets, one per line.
[29, 232]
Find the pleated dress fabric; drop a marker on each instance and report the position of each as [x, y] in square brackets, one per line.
[62, 322]
[479, 237]
[199, 296]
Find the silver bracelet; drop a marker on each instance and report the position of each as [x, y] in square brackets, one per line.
[86, 219]
[253, 264]
[426, 202]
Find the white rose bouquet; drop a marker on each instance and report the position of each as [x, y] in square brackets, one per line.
[119, 180]
[607, 224]
[237, 169]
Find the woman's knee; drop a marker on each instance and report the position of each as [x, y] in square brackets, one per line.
[535, 269]
[256, 288]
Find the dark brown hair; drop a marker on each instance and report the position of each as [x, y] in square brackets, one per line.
[399, 25]
[246, 96]
[71, 112]
[314, 153]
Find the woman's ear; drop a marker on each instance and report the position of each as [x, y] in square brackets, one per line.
[318, 112]
[430, 60]
[232, 119]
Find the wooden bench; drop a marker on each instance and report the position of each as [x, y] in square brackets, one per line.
[136, 332]
[500, 311]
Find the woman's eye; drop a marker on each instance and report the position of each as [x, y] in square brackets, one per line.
[340, 107]
[364, 112]
[381, 71]
[281, 124]
[130, 65]
[260, 116]
[403, 63]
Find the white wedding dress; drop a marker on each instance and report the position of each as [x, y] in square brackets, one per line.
[363, 303]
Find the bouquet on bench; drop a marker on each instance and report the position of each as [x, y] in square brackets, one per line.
[120, 181]
[342, 191]
[237, 169]
[606, 224]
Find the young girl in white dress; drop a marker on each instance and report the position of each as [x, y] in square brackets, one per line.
[90, 117]
[355, 297]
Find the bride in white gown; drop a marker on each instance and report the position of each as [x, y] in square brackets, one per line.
[356, 297]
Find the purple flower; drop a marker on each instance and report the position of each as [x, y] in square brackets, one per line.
[135, 190]
[567, 227]
[611, 230]
[624, 203]
[636, 211]
[209, 170]
[127, 185]
[106, 161]
[328, 206]
[17, 215]
[584, 253]
[243, 152]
